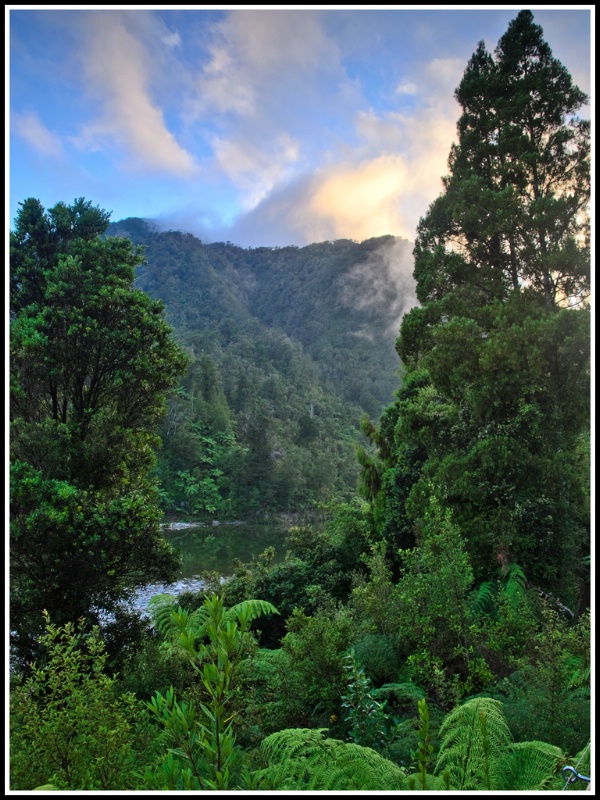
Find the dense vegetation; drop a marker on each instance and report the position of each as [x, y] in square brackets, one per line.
[433, 634]
[289, 347]
[91, 361]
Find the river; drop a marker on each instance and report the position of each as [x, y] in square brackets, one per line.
[212, 548]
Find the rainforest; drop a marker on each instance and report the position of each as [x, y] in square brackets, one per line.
[414, 416]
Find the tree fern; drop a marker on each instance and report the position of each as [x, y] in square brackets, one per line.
[302, 759]
[470, 736]
[579, 682]
[159, 608]
[249, 610]
[378, 654]
[528, 766]
[399, 694]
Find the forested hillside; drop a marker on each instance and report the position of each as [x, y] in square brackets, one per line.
[289, 347]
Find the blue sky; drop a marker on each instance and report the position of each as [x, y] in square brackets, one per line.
[273, 126]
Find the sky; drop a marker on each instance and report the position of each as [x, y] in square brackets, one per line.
[261, 126]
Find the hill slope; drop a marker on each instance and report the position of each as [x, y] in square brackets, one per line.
[290, 347]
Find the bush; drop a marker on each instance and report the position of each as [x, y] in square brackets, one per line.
[69, 727]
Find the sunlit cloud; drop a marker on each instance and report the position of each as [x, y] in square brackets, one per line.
[387, 182]
[30, 128]
[261, 126]
[116, 65]
[359, 201]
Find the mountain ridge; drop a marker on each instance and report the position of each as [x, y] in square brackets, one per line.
[290, 347]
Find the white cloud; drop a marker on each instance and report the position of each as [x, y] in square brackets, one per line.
[172, 39]
[117, 68]
[255, 170]
[269, 75]
[30, 128]
[407, 87]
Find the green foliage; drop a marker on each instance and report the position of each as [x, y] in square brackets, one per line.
[380, 657]
[471, 737]
[434, 591]
[311, 676]
[395, 609]
[92, 360]
[364, 712]
[540, 699]
[374, 600]
[494, 412]
[301, 759]
[322, 560]
[424, 755]
[289, 381]
[529, 766]
[203, 753]
[68, 723]
[478, 753]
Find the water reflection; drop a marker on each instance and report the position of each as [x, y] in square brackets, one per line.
[216, 548]
[213, 549]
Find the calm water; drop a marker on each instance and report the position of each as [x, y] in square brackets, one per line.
[213, 549]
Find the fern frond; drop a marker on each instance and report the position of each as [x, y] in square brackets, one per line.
[159, 609]
[579, 681]
[378, 655]
[482, 599]
[470, 737]
[528, 766]
[249, 610]
[434, 783]
[301, 758]
[400, 694]
[515, 587]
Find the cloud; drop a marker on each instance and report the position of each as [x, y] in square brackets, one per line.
[30, 128]
[117, 69]
[383, 186]
[268, 76]
[407, 87]
[384, 282]
[254, 56]
[360, 200]
[256, 170]
[172, 39]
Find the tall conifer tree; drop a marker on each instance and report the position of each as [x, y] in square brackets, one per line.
[496, 390]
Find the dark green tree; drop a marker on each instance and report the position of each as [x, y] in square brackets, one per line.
[515, 210]
[91, 362]
[495, 409]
